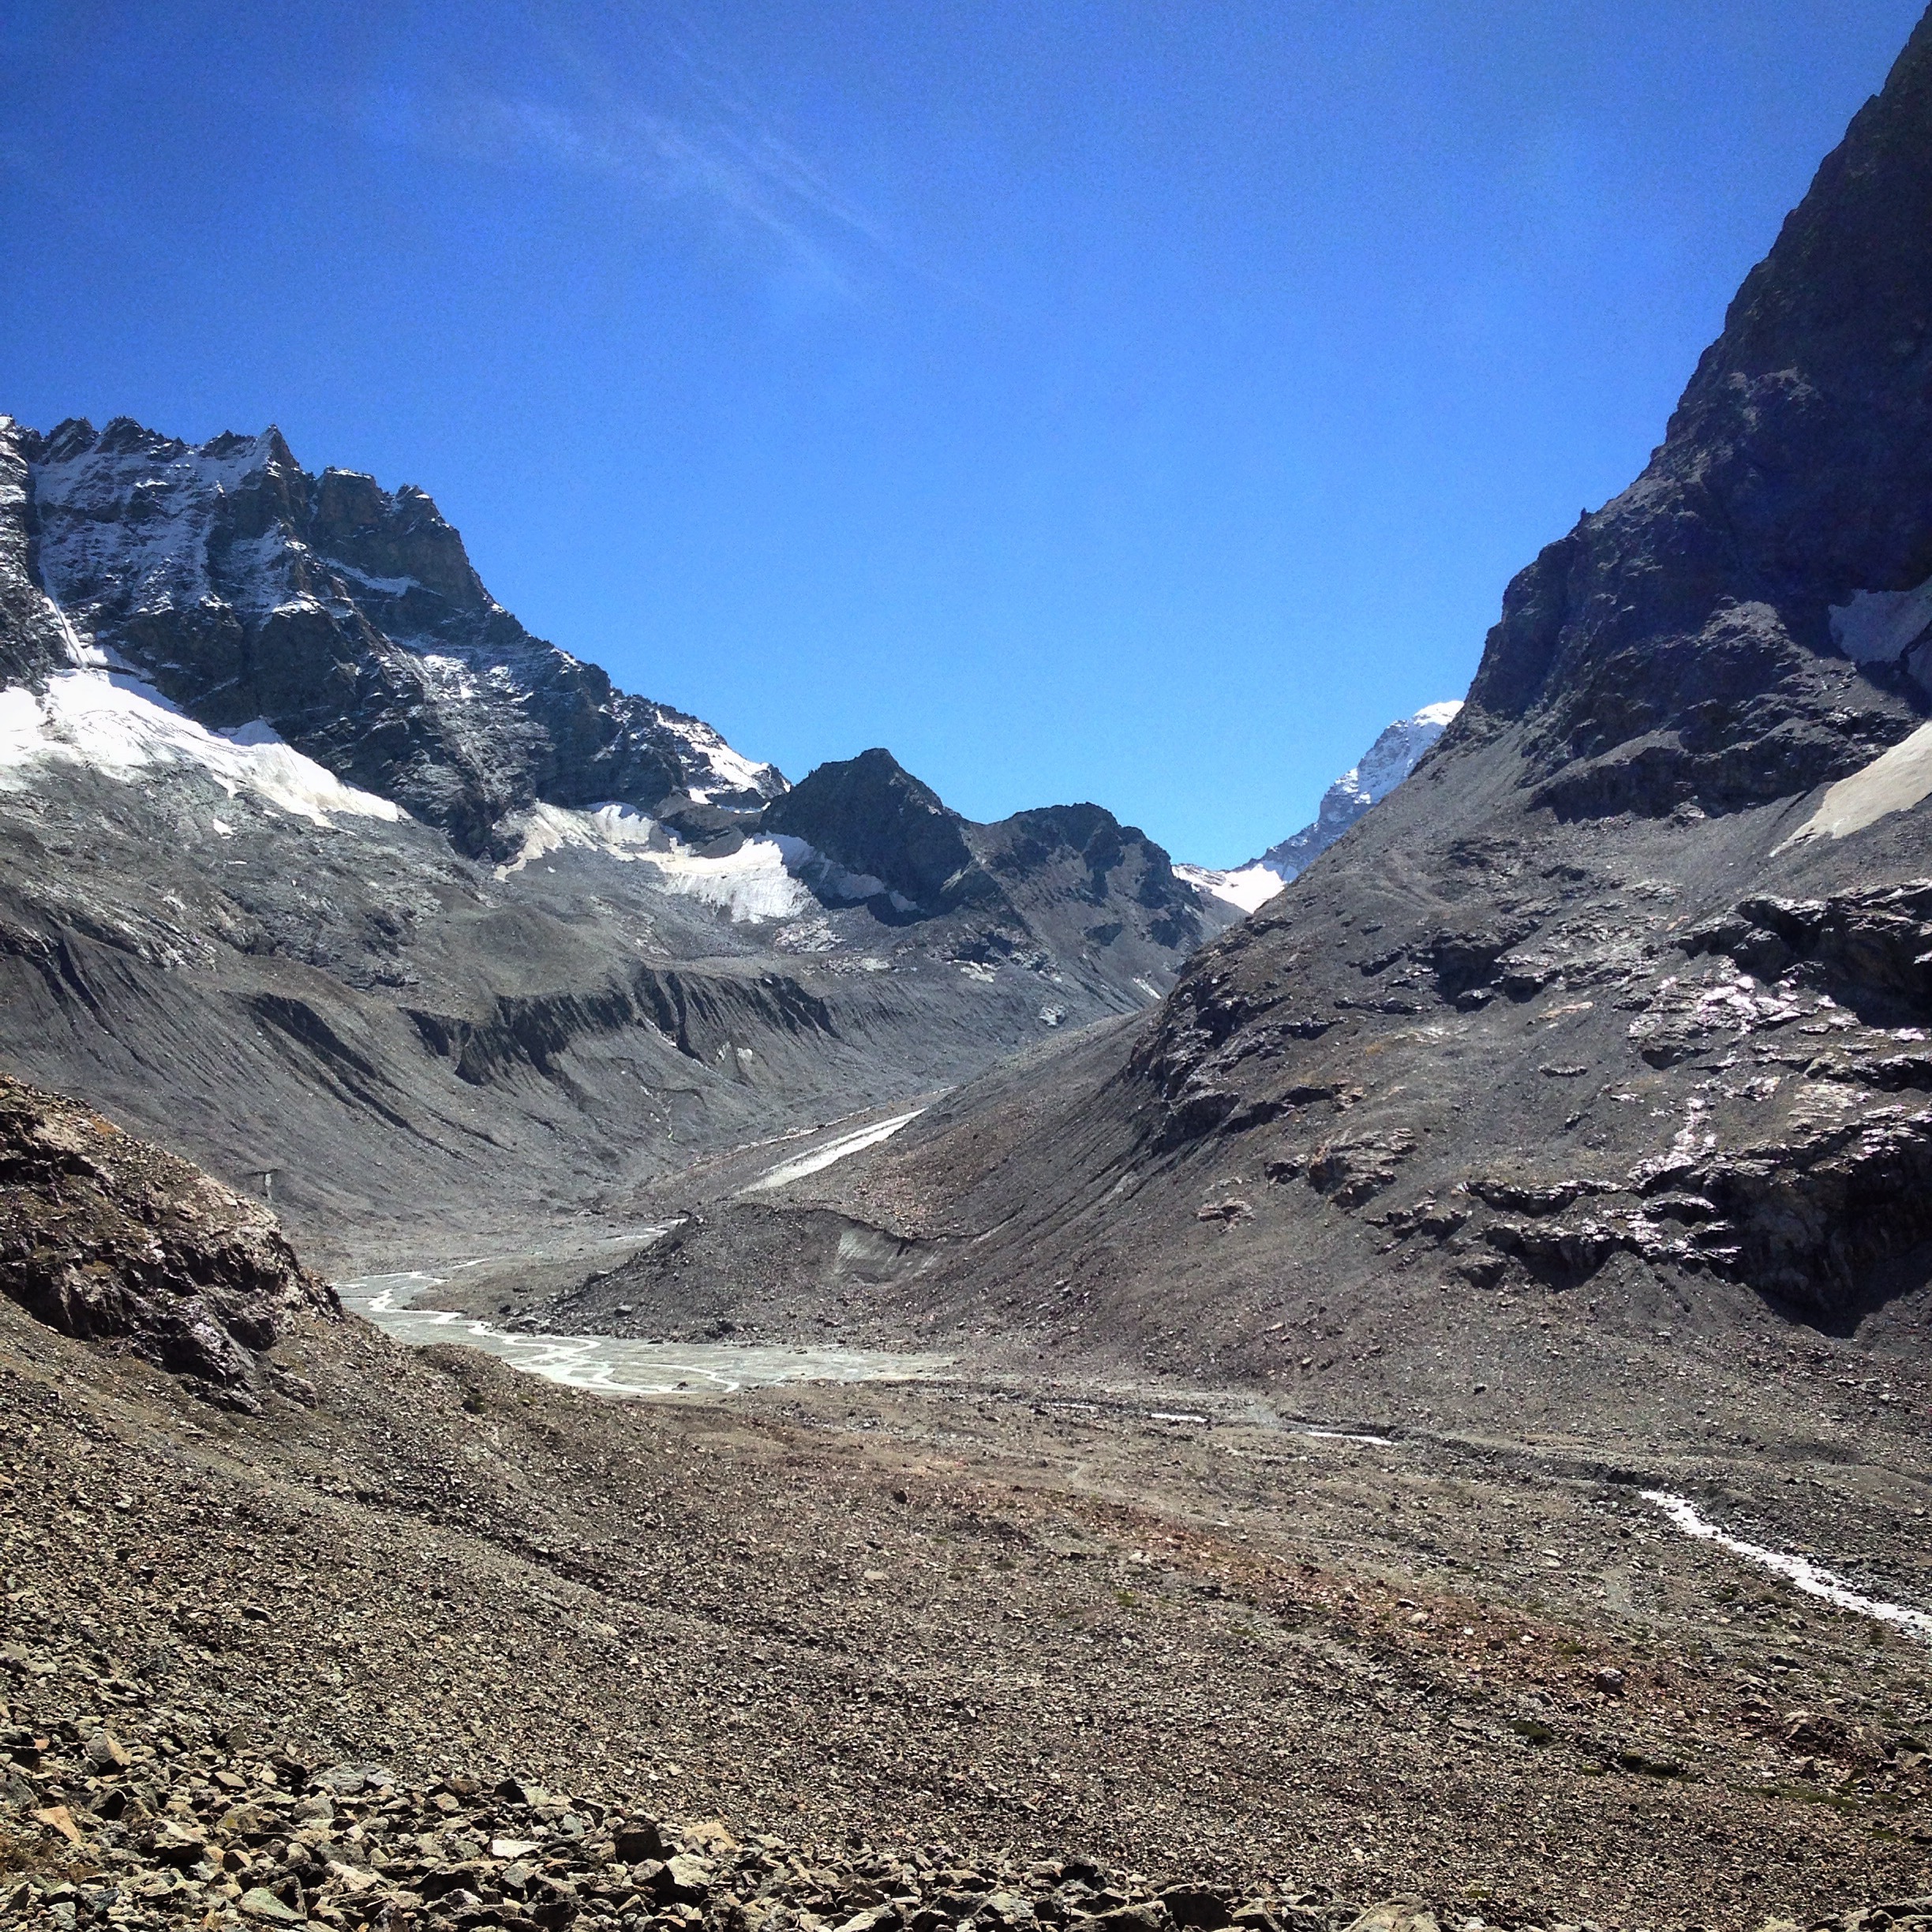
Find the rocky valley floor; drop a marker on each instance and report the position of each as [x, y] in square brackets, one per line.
[986, 1648]
[1344, 1339]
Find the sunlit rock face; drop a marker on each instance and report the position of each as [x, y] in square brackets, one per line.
[1621, 996]
[347, 619]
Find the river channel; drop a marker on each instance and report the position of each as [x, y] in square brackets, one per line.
[612, 1365]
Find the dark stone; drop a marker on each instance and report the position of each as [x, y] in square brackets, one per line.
[871, 816]
[1197, 1908]
[639, 1841]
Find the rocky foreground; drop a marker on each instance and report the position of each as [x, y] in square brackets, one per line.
[170, 1828]
[170, 1825]
[302, 1625]
[1041, 1635]
[1028, 1625]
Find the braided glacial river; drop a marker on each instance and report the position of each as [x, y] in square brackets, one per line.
[612, 1365]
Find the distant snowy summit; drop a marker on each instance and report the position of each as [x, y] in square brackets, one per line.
[1385, 764]
[339, 617]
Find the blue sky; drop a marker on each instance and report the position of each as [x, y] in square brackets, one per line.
[1107, 398]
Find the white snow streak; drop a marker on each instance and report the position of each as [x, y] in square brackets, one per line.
[765, 879]
[821, 1157]
[1247, 887]
[1799, 1570]
[1894, 781]
[755, 882]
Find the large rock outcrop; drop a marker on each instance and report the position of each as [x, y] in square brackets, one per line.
[1059, 881]
[1680, 646]
[872, 816]
[109, 1239]
[1609, 1003]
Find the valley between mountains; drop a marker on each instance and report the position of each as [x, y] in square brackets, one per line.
[595, 1335]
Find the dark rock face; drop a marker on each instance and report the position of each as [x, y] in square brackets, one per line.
[1678, 645]
[105, 1238]
[871, 816]
[1083, 857]
[1675, 652]
[346, 617]
[1099, 841]
[1059, 881]
[1602, 1007]
[32, 639]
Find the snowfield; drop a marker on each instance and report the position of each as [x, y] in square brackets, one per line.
[1249, 887]
[115, 724]
[771, 876]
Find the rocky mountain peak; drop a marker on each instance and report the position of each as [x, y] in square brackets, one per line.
[400, 535]
[1397, 751]
[871, 816]
[1047, 875]
[344, 617]
[1694, 614]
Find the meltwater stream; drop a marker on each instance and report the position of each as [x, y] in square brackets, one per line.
[1799, 1571]
[614, 1366]
[617, 1367]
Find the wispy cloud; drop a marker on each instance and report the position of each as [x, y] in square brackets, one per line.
[717, 156]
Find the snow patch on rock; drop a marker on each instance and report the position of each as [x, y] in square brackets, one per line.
[1894, 781]
[771, 876]
[141, 514]
[828, 1152]
[1879, 626]
[731, 770]
[1245, 887]
[112, 723]
[753, 883]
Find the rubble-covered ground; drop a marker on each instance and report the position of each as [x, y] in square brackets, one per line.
[1021, 1629]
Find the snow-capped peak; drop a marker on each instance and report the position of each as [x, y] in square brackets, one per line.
[1386, 762]
[728, 773]
[349, 616]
